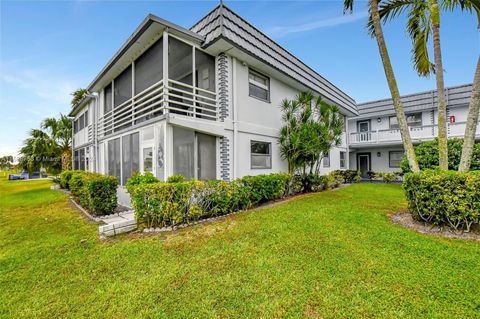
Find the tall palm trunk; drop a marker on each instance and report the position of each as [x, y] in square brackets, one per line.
[472, 121]
[392, 84]
[66, 159]
[442, 105]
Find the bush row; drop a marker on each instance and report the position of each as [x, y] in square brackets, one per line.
[444, 198]
[95, 192]
[160, 204]
[428, 155]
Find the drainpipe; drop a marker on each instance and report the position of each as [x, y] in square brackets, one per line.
[235, 117]
[94, 128]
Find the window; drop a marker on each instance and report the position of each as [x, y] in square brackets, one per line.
[258, 85]
[326, 160]
[76, 160]
[122, 87]
[147, 159]
[81, 120]
[394, 158]
[86, 118]
[413, 120]
[107, 98]
[149, 67]
[260, 155]
[75, 126]
[343, 162]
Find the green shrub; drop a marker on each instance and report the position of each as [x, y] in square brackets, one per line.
[444, 198]
[371, 174]
[176, 179]
[167, 204]
[138, 178]
[348, 175]
[94, 192]
[389, 177]
[336, 179]
[263, 188]
[223, 197]
[102, 194]
[65, 177]
[427, 155]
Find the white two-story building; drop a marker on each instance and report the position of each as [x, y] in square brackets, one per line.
[205, 102]
[374, 140]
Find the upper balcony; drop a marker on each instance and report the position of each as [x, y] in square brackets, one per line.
[417, 133]
[154, 84]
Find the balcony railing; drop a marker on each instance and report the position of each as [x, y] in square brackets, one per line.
[175, 97]
[424, 132]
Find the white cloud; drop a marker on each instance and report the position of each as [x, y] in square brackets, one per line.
[281, 31]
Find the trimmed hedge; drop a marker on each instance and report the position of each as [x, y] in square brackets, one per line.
[427, 155]
[95, 192]
[163, 204]
[65, 177]
[444, 198]
[348, 175]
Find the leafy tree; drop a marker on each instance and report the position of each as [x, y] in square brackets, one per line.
[311, 128]
[6, 162]
[78, 95]
[391, 80]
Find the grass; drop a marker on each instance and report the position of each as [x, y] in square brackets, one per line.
[327, 255]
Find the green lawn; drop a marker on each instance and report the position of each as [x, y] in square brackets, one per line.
[327, 255]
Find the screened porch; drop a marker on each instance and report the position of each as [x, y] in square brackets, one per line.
[171, 76]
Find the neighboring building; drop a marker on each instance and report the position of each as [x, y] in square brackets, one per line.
[374, 140]
[205, 102]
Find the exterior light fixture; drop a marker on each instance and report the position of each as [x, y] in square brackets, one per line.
[379, 119]
[379, 154]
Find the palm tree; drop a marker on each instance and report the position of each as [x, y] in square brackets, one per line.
[423, 21]
[39, 151]
[311, 128]
[392, 82]
[472, 121]
[61, 133]
[78, 96]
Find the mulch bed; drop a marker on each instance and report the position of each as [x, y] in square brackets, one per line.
[405, 219]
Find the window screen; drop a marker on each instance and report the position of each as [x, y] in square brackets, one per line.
[86, 118]
[81, 154]
[122, 87]
[259, 85]
[205, 70]
[395, 157]
[326, 160]
[260, 154]
[413, 120]
[179, 61]
[107, 98]
[81, 122]
[183, 152]
[114, 158]
[207, 157]
[76, 160]
[343, 156]
[130, 156]
[149, 67]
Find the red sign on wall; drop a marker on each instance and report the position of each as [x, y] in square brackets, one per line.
[452, 118]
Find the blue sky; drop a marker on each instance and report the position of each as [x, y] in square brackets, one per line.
[48, 49]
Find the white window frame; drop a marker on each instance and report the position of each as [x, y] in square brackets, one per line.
[326, 164]
[343, 162]
[261, 154]
[258, 84]
[390, 158]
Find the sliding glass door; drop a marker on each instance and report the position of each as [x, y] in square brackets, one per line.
[194, 154]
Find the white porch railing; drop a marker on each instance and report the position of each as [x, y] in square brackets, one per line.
[158, 99]
[424, 132]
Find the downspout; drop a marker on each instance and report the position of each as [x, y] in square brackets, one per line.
[94, 128]
[234, 120]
